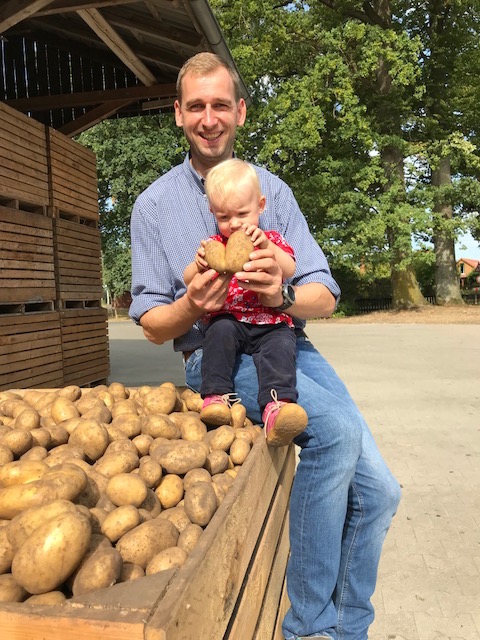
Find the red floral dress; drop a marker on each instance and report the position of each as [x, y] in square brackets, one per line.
[244, 305]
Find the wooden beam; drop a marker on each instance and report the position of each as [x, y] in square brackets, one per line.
[14, 11]
[92, 117]
[66, 6]
[87, 98]
[110, 37]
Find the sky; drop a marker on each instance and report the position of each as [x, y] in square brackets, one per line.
[467, 247]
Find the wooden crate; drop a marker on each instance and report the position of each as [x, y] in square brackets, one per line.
[85, 348]
[30, 350]
[232, 586]
[77, 260]
[23, 153]
[73, 176]
[26, 257]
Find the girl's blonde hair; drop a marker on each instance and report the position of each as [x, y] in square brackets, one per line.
[228, 177]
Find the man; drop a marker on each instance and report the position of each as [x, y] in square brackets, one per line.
[344, 496]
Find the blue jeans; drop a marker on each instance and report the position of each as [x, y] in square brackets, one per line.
[343, 500]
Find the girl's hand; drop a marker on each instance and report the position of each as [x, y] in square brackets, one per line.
[202, 264]
[258, 237]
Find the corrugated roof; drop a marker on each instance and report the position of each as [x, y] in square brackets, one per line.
[72, 63]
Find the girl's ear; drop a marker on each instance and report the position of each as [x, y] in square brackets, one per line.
[261, 204]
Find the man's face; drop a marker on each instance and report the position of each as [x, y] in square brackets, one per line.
[209, 115]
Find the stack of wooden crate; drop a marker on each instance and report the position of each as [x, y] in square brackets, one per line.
[53, 329]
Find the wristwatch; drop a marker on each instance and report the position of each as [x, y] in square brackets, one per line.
[288, 294]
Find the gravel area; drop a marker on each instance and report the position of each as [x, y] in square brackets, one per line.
[430, 314]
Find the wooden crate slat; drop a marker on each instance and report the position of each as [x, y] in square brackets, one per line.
[50, 379]
[17, 282]
[74, 623]
[69, 165]
[70, 182]
[76, 244]
[74, 194]
[31, 373]
[24, 339]
[27, 159]
[16, 229]
[27, 273]
[100, 358]
[90, 324]
[283, 607]
[12, 189]
[92, 293]
[269, 615]
[25, 265]
[71, 228]
[87, 377]
[31, 364]
[63, 144]
[19, 350]
[262, 566]
[20, 121]
[26, 218]
[24, 247]
[29, 322]
[23, 238]
[88, 266]
[26, 294]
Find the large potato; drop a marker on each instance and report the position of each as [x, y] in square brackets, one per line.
[52, 553]
[150, 471]
[125, 488]
[217, 462]
[91, 436]
[200, 503]
[159, 425]
[182, 458]
[50, 598]
[101, 570]
[171, 558]
[189, 537]
[128, 423]
[63, 409]
[24, 524]
[159, 400]
[6, 551]
[65, 482]
[231, 258]
[22, 471]
[18, 441]
[119, 521]
[28, 419]
[239, 450]
[170, 490]
[139, 545]
[221, 438]
[10, 590]
[117, 462]
[191, 427]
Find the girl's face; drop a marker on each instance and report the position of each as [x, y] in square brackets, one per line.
[239, 209]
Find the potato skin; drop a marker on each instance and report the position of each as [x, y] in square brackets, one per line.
[22, 471]
[101, 570]
[6, 551]
[171, 558]
[139, 545]
[65, 482]
[182, 458]
[126, 488]
[189, 537]
[170, 490]
[119, 521]
[40, 565]
[10, 590]
[200, 503]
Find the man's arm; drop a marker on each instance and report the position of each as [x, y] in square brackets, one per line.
[206, 292]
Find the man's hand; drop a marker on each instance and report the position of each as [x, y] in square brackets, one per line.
[263, 275]
[208, 290]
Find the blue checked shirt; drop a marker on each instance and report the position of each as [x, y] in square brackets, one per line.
[172, 216]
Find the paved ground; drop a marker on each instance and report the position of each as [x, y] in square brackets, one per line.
[419, 388]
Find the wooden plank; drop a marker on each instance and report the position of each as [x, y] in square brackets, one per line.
[14, 11]
[31, 364]
[24, 339]
[283, 607]
[70, 166]
[22, 622]
[65, 145]
[19, 349]
[25, 218]
[50, 379]
[227, 545]
[93, 324]
[29, 248]
[68, 188]
[87, 377]
[269, 614]
[22, 155]
[75, 227]
[99, 358]
[29, 319]
[88, 267]
[13, 190]
[26, 374]
[252, 598]
[26, 294]
[22, 122]
[25, 265]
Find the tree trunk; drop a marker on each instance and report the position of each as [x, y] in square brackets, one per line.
[447, 284]
[406, 293]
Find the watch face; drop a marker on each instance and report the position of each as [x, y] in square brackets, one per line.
[289, 293]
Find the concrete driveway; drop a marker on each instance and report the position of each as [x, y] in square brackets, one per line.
[419, 389]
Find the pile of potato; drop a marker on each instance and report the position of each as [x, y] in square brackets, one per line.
[106, 485]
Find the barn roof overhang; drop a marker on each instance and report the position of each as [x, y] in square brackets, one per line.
[72, 63]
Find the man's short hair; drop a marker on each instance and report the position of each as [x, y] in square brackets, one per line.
[203, 64]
